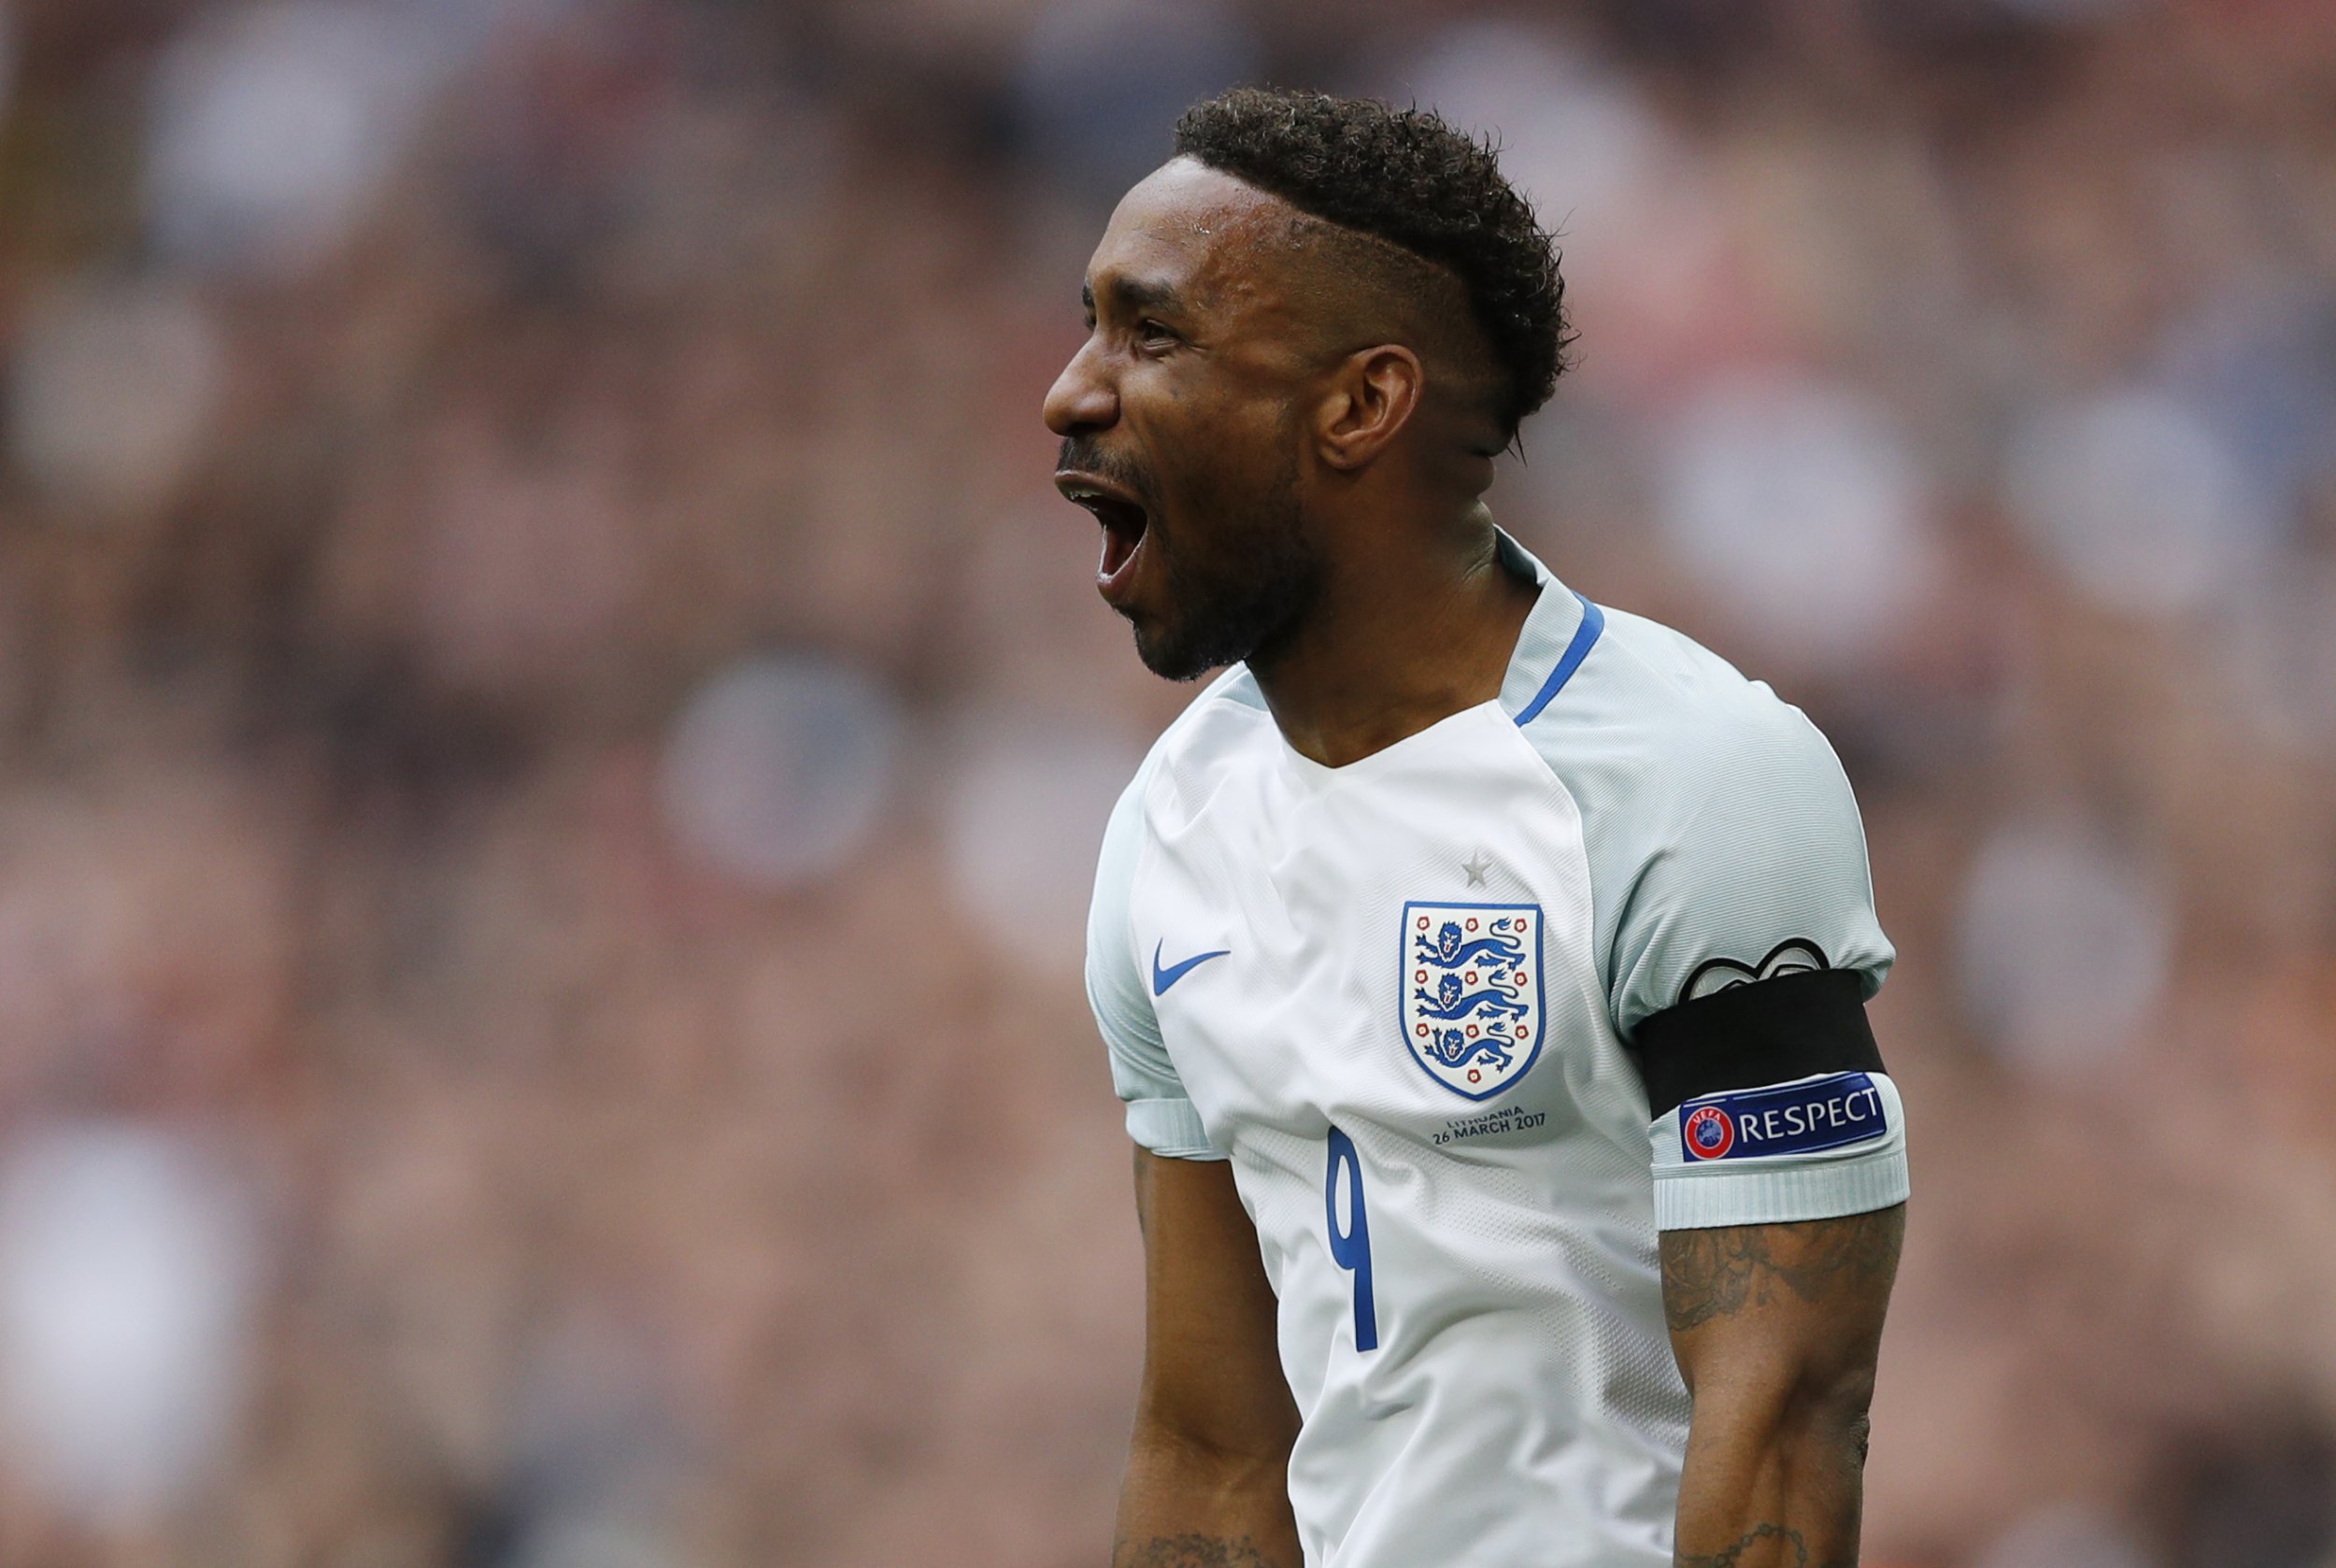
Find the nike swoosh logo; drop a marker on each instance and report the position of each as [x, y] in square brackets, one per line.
[1163, 979]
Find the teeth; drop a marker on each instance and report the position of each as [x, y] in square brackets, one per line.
[1107, 504]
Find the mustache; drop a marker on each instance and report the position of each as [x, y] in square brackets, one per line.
[1087, 455]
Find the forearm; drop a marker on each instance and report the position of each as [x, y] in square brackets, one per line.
[1777, 1328]
[1772, 1490]
[1187, 1506]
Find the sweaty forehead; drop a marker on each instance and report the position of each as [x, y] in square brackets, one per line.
[1199, 231]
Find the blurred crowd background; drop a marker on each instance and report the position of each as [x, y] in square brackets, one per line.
[553, 732]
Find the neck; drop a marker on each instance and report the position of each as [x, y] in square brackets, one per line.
[1414, 625]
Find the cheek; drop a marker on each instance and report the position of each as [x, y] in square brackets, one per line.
[1215, 452]
[1251, 453]
[1244, 437]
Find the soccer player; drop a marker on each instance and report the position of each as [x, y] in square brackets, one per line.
[1484, 970]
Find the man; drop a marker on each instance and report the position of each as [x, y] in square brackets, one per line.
[1484, 970]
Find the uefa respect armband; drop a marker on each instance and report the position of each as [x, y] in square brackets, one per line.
[1817, 1148]
[1834, 1111]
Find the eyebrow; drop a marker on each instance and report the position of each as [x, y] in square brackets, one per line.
[1134, 294]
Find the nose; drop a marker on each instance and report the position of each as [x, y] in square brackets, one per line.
[1082, 399]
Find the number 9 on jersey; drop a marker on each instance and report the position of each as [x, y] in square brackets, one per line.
[1350, 1243]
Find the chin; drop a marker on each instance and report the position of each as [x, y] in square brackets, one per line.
[1169, 664]
[1170, 659]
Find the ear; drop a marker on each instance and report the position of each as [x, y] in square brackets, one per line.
[1370, 398]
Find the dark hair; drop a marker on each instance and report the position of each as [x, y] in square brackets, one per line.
[1409, 177]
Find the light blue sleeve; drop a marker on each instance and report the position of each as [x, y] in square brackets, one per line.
[1723, 841]
[1161, 1116]
[1725, 849]
[1746, 861]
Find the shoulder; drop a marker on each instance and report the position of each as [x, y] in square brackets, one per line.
[1232, 699]
[1219, 729]
[1217, 726]
[1719, 829]
[1655, 722]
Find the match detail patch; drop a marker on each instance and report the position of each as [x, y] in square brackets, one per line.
[1831, 1112]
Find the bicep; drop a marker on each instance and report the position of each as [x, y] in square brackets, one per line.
[1781, 1307]
[1212, 1374]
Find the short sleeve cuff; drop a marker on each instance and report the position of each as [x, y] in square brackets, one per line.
[1781, 1197]
[1171, 1129]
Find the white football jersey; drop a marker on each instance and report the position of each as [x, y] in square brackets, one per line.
[1394, 994]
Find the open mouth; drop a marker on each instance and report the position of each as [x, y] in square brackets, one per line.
[1124, 522]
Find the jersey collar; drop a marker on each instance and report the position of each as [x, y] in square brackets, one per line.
[1559, 632]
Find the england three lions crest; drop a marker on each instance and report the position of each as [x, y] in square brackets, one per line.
[1471, 992]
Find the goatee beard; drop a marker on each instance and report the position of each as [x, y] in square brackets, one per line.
[1221, 615]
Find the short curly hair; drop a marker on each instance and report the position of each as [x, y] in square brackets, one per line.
[1409, 177]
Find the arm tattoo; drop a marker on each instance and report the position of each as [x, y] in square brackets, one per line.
[1189, 1551]
[1791, 1550]
[1717, 1272]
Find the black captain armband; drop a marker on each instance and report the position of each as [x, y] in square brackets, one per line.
[1774, 1031]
